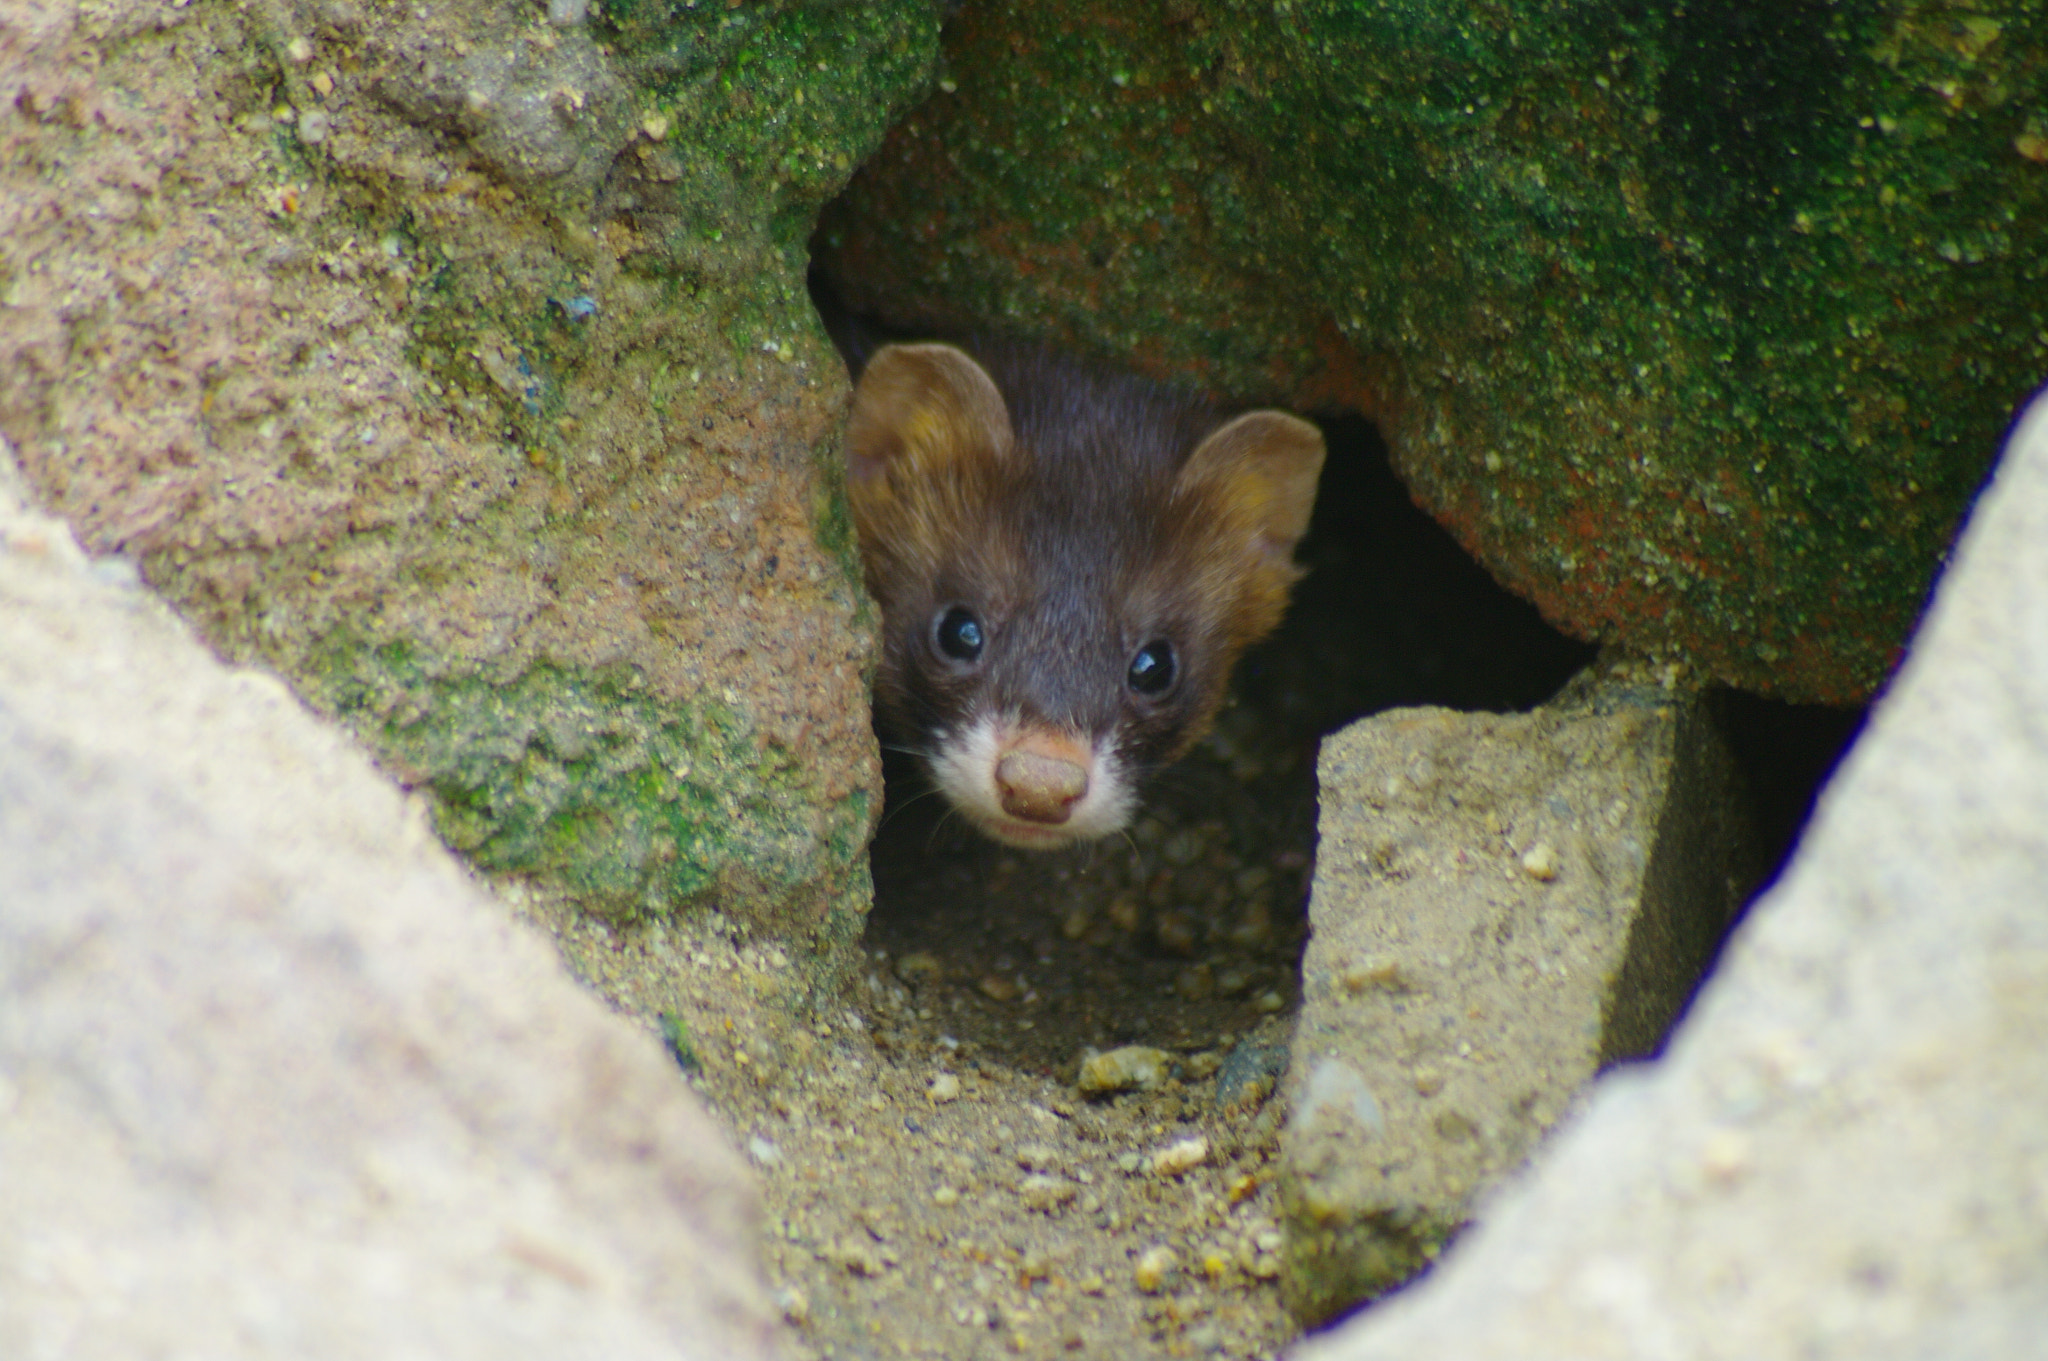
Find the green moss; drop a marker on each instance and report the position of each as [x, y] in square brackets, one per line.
[1700, 324]
[1339, 1256]
[675, 1034]
[788, 98]
[601, 361]
[638, 807]
[769, 109]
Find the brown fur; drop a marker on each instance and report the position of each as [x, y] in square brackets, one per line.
[1081, 516]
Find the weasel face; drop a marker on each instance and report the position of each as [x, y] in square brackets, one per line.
[1068, 565]
[1032, 786]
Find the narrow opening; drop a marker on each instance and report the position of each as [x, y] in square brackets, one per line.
[997, 970]
[1188, 935]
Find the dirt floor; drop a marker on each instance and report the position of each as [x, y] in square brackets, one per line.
[938, 1181]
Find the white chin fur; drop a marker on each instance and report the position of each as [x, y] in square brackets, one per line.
[965, 768]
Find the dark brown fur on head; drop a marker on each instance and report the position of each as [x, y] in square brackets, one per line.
[1081, 517]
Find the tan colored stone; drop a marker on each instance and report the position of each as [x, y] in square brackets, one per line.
[1502, 904]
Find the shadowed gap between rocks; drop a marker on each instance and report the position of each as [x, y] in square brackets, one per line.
[1188, 934]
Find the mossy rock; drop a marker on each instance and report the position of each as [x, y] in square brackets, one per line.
[1699, 325]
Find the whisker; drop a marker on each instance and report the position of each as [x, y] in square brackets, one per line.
[895, 808]
[944, 818]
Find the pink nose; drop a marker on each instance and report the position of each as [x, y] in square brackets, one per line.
[1039, 788]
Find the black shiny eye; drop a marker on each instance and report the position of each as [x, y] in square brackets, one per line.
[1153, 669]
[959, 635]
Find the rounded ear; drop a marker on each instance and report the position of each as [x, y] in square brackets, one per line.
[927, 405]
[1264, 465]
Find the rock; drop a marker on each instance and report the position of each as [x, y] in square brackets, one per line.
[1046, 1192]
[506, 435]
[276, 1078]
[1131, 1067]
[1455, 1000]
[1182, 1155]
[548, 116]
[1842, 1154]
[1658, 308]
[1248, 1074]
[1156, 1269]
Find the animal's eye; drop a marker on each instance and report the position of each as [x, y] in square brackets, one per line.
[959, 634]
[1153, 669]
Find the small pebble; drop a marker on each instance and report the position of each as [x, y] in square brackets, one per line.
[1540, 862]
[997, 988]
[1036, 1157]
[1254, 928]
[1182, 847]
[1249, 1074]
[919, 968]
[1156, 1269]
[1132, 1067]
[1175, 932]
[1381, 972]
[945, 1087]
[1042, 1192]
[1198, 1066]
[858, 1257]
[945, 1195]
[1181, 1156]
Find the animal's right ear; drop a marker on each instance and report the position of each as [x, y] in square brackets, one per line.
[921, 407]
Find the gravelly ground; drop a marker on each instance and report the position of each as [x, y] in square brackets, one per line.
[937, 1184]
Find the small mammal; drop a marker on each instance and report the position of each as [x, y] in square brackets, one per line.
[1068, 564]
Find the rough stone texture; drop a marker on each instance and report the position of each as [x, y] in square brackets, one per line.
[414, 352]
[276, 1079]
[1695, 323]
[1502, 904]
[1844, 1153]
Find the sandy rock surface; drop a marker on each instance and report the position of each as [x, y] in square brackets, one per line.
[1503, 903]
[1845, 1153]
[313, 312]
[276, 1078]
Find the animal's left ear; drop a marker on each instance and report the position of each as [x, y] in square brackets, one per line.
[1264, 465]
